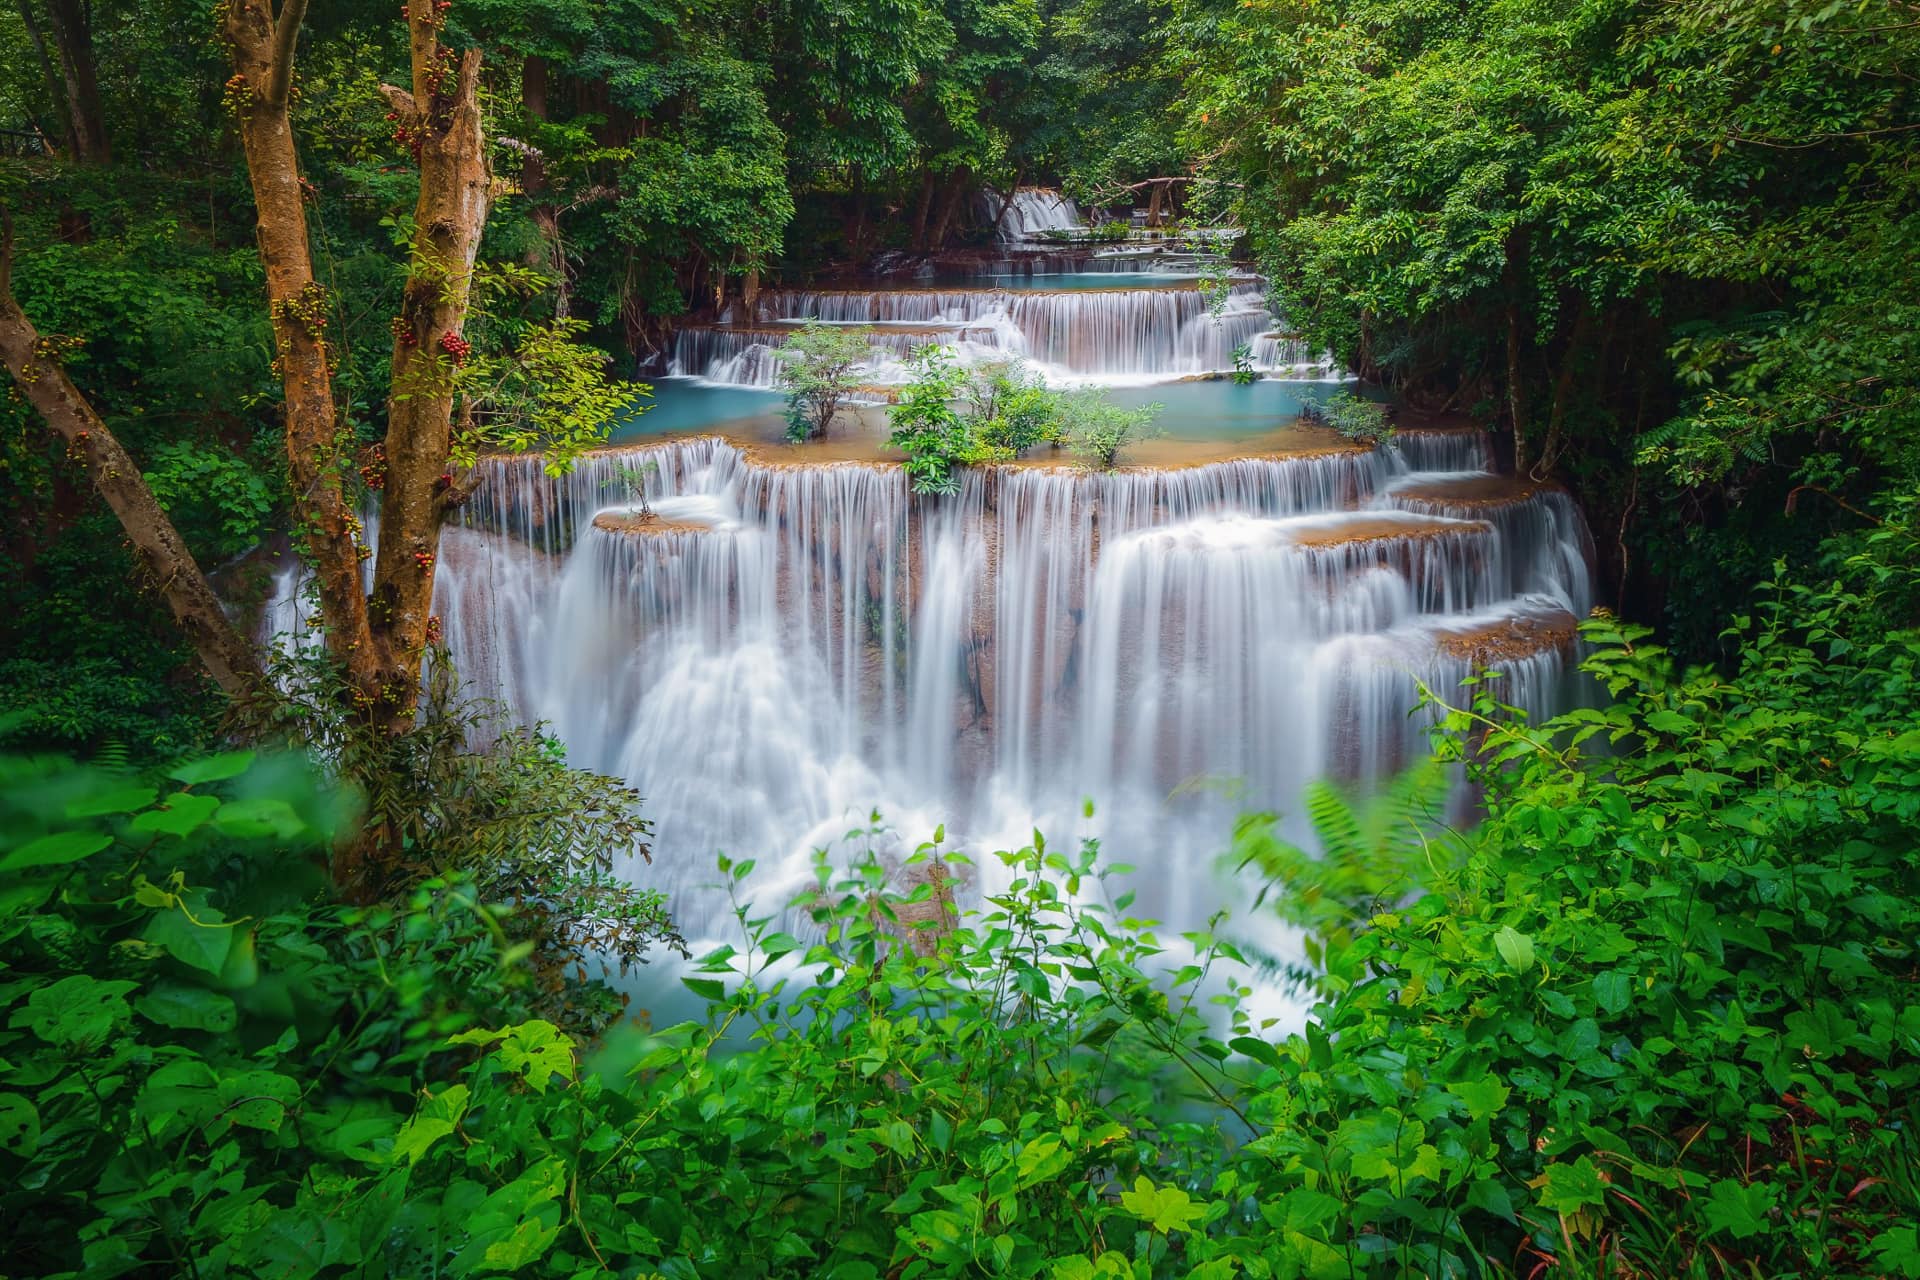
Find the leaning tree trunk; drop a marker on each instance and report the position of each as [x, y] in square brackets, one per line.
[35, 365]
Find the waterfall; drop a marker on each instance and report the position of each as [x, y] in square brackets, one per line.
[1103, 334]
[1035, 211]
[781, 649]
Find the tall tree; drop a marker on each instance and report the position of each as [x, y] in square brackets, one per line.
[380, 636]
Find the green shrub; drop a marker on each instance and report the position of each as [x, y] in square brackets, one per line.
[1098, 429]
[1356, 419]
[928, 427]
[818, 364]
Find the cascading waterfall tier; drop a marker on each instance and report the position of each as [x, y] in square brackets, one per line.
[1084, 334]
[771, 652]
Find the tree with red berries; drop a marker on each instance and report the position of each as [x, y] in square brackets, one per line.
[379, 637]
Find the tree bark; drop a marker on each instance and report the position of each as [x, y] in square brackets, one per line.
[36, 370]
[73, 37]
[949, 206]
[534, 77]
[442, 114]
[922, 209]
[318, 457]
[56, 91]
[1516, 384]
[379, 637]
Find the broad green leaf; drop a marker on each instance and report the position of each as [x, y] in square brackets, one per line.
[1740, 1211]
[1612, 990]
[119, 800]
[201, 941]
[183, 814]
[231, 764]
[434, 1120]
[77, 1013]
[259, 816]
[1163, 1208]
[55, 850]
[706, 988]
[173, 1004]
[258, 1099]
[19, 1125]
[1569, 1188]
[1515, 948]
[1483, 1097]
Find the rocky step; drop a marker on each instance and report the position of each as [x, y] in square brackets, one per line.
[1472, 491]
[1525, 633]
[1355, 529]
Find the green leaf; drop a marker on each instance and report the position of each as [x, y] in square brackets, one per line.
[258, 1099]
[199, 942]
[1515, 948]
[183, 814]
[1483, 1097]
[1163, 1208]
[1569, 1188]
[1612, 990]
[118, 800]
[434, 1120]
[1739, 1211]
[259, 816]
[173, 1004]
[706, 988]
[775, 945]
[231, 764]
[55, 850]
[77, 1013]
[19, 1125]
[1259, 1050]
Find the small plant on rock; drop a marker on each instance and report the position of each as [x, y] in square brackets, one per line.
[819, 363]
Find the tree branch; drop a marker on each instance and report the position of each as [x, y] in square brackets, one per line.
[286, 32]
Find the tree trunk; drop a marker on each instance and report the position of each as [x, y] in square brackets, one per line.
[1516, 385]
[1155, 195]
[56, 92]
[455, 193]
[533, 183]
[37, 371]
[922, 209]
[950, 204]
[318, 460]
[73, 36]
[379, 638]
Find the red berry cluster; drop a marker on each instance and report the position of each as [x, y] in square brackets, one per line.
[456, 346]
[403, 331]
[373, 473]
[403, 136]
[433, 628]
[424, 559]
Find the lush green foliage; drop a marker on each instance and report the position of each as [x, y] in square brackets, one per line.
[928, 428]
[1658, 240]
[1356, 419]
[1652, 1018]
[1099, 429]
[818, 373]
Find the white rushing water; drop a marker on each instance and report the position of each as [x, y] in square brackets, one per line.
[1074, 335]
[1035, 211]
[789, 648]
